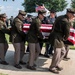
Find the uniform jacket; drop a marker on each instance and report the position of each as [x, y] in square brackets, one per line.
[61, 30]
[34, 31]
[3, 30]
[50, 20]
[17, 35]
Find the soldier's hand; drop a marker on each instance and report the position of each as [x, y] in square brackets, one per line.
[46, 37]
[43, 37]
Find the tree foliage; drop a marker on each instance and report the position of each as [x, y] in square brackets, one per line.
[30, 5]
[73, 4]
[57, 5]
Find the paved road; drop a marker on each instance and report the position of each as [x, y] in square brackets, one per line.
[42, 62]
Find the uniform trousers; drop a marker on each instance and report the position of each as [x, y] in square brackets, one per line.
[3, 50]
[49, 49]
[67, 50]
[57, 57]
[34, 49]
[19, 52]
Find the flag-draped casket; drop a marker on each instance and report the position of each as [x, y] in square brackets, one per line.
[46, 29]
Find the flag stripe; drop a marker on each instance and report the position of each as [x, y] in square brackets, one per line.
[46, 29]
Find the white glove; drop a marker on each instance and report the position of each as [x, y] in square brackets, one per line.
[43, 37]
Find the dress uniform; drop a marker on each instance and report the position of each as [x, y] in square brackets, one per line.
[61, 31]
[18, 38]
[3, 42]
[33, 35]
[51, 19]
[66, 58]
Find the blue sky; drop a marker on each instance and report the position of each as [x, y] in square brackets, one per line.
[11, 7]
[68, 6]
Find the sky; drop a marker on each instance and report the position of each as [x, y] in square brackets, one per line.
[64, 11]
[11, 7]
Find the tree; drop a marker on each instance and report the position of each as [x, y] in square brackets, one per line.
[30, 5]
[73, 4]
[57, 5]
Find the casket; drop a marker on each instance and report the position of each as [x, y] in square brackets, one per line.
[46, 29]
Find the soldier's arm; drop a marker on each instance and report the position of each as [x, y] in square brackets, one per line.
[38, 24]
[18, 25]
[1, 25]
[7, 31]
[66, 29]
[3, 29]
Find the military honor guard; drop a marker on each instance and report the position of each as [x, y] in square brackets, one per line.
[60, 32]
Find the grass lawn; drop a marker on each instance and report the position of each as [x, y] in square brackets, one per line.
[3, 74]
[72, 47]
[7, 37]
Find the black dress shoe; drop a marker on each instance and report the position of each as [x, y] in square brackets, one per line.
[31, 67]
[41, 54]
[47, 56]
[59, 68]
[51, 54]
[34, 65]
[22, 62]
[4, 63]
[66, 58]
[54, 71]
[18, 66]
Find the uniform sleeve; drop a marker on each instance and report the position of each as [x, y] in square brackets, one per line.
[66, 29]
[38, 24]
[1, 25]
[4, 29]
[18, 25]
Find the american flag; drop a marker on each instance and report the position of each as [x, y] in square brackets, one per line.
[38, 7]
[46, 29]
[72, 36]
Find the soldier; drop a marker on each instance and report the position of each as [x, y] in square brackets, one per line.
[33, 35]
[61, 31]
[66, 58]
[51, 19]
[3, 42]
[18, 39]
